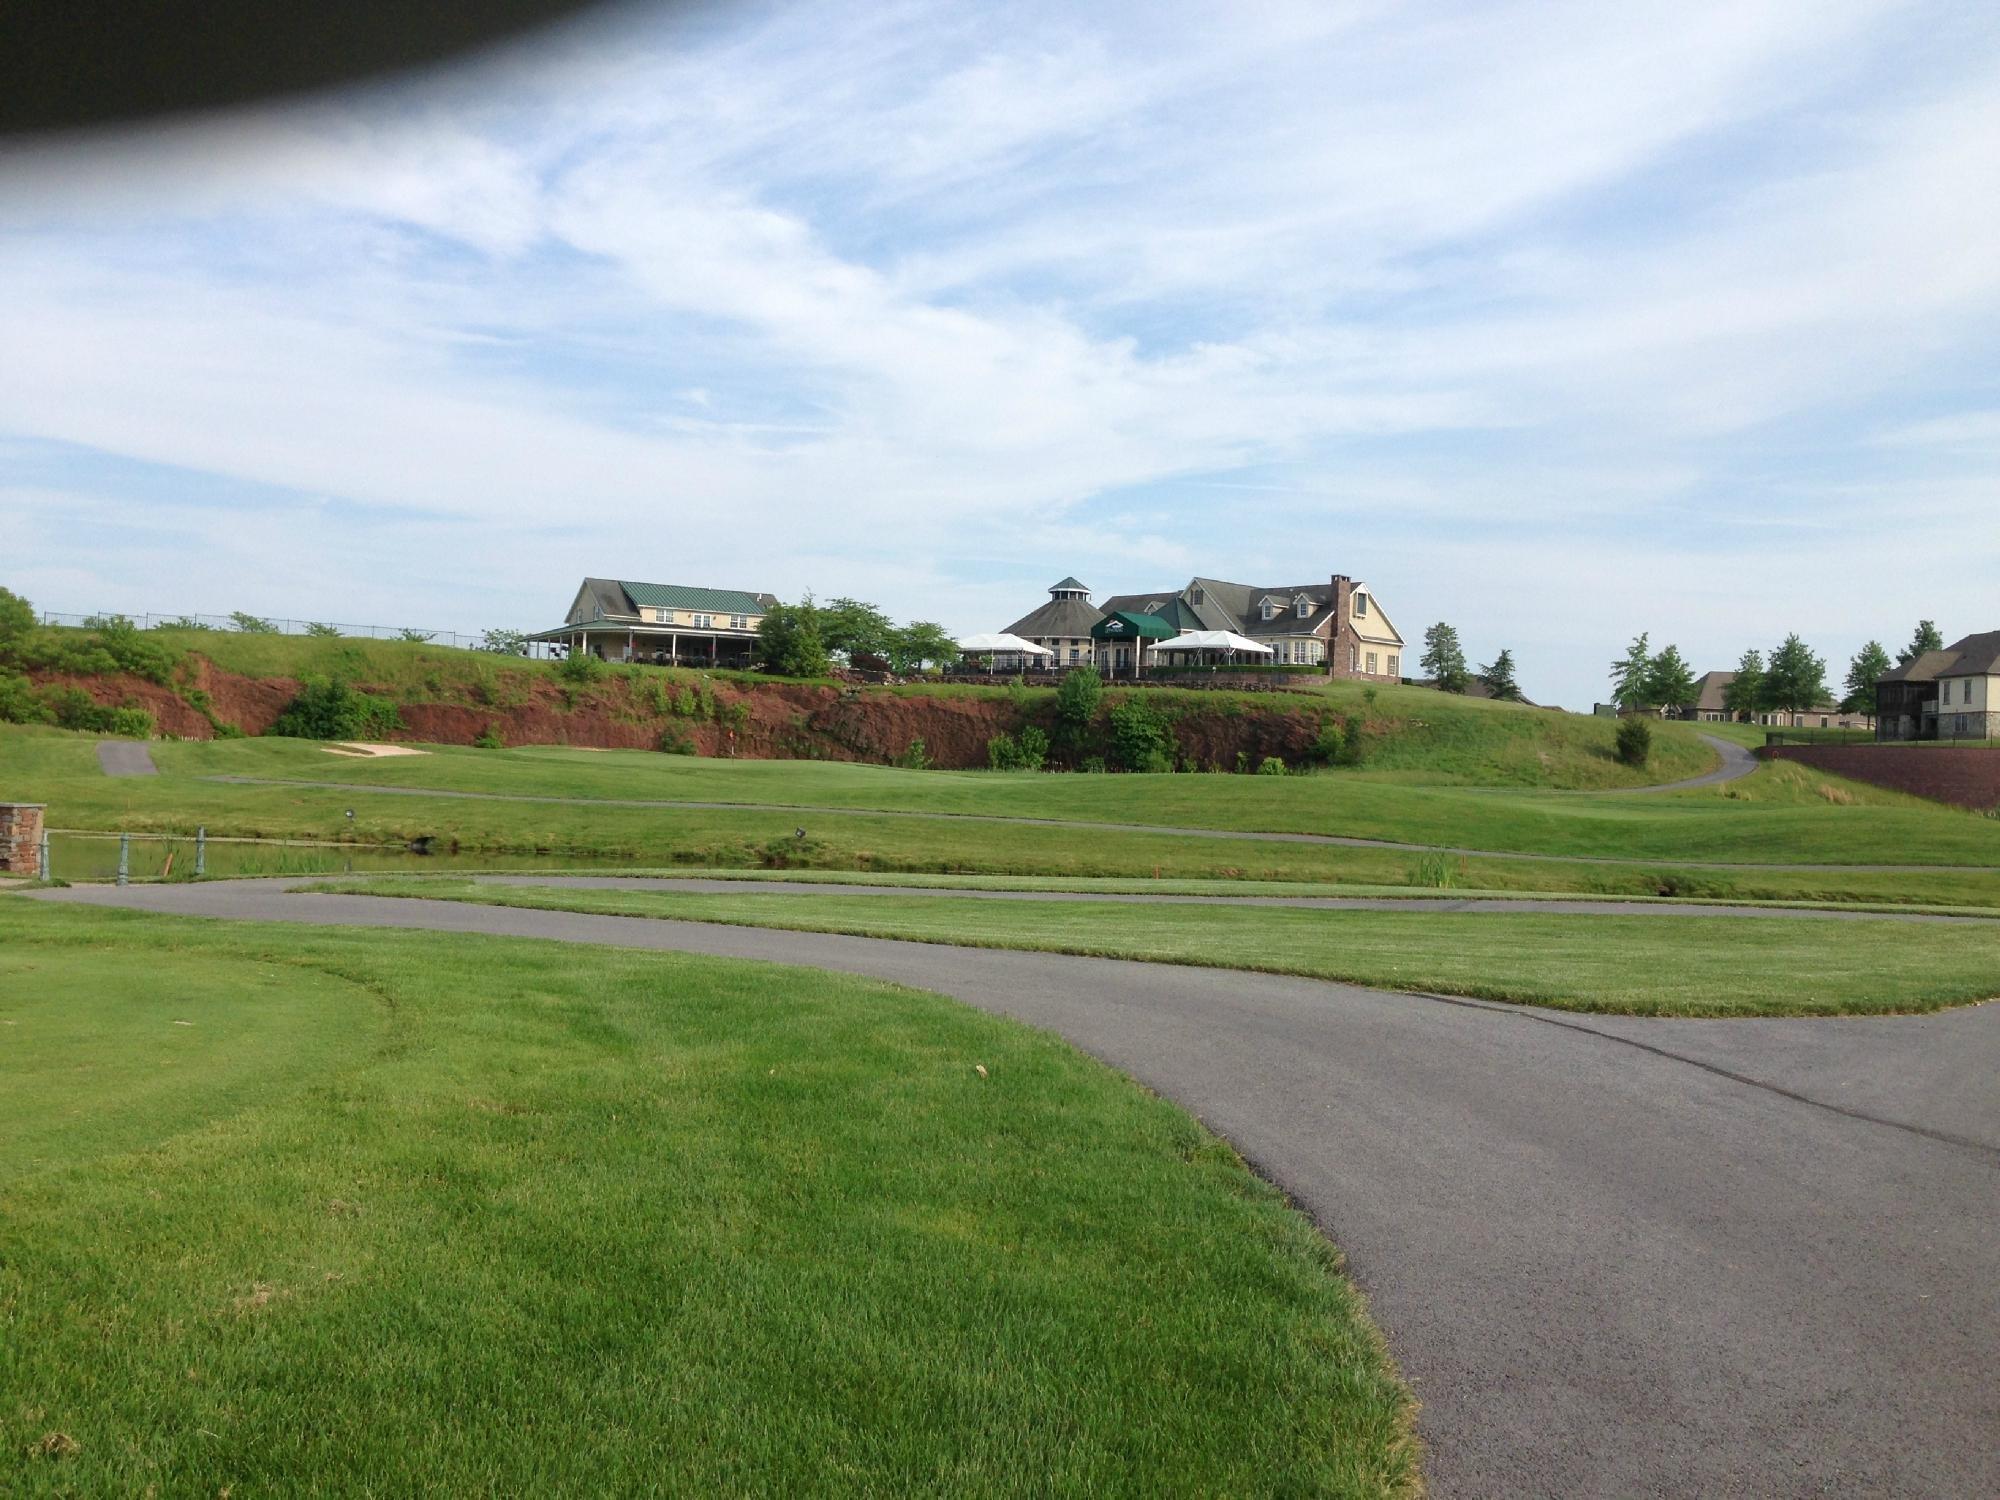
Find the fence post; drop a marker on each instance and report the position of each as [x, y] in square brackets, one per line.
[43, 855]
[201, 850]
[124, 858]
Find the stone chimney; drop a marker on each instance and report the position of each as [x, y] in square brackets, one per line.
[1340, 639]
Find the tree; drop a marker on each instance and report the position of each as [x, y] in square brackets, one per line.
[918, 642]
[17, 618]
[1140, 738]
[1635, 741]
[1926, 639]
[1632, 675]
[1869, 663]
[1076, 706]
[1670, 680]
[1796, 679]
[1745, 693]
[850, 628]
[251, 624]
[504, 642]
[1499, 677]
[1444, 658]
[790, 642]
[414, 637]
[321, 630]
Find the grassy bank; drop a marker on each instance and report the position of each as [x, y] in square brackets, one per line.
[1633, 965]
[295, 1210]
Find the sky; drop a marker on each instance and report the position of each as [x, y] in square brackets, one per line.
[1558, 322]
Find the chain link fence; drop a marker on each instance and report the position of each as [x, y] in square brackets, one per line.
[262, 625]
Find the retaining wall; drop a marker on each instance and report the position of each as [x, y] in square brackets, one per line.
[1963, 775]
[20, 838]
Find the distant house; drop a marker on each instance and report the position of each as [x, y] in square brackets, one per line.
[1943, 695]
[1711, 706]
[1062, 626]
[668, 623]
[1338, 625]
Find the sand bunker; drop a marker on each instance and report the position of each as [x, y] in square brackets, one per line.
[362, 748]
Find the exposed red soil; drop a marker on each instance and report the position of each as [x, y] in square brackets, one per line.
[765, 721]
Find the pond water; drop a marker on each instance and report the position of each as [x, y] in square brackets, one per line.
[93, 857]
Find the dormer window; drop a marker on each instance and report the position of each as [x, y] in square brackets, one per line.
[1270, 609]
[1305, 608]
[1154, 606]
[1194, 597]
[1360, 606]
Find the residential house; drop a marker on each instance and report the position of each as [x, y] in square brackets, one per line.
[1711, 706]
[1062, 625]
[667, 623]
[1338, 625]
[1943, 695]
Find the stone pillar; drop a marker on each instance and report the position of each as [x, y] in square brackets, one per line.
[20, 837]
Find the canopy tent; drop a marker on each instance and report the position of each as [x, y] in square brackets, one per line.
[979, 645]
[1213, 640]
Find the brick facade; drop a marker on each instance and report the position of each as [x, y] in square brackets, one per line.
[21, 838]
[1965, 776]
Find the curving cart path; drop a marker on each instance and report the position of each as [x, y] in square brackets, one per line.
[1613, 1256]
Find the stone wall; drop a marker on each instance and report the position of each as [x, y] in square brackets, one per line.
[1964, 775]
[20, 838]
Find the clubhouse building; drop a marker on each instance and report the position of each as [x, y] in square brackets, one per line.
[669, 624]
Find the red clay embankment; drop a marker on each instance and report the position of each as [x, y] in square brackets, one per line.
[1963, 775]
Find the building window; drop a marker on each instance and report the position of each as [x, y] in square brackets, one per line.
[1371, 663]
[1074, 656]
[1946, 691]
[1305, 608]
[1270, 610]
[739, 622]
[664, 616]
[1353, 658]
[1194, 597]
[704, 622]
[1395, 666]
[1822, 721]
[1361, 606]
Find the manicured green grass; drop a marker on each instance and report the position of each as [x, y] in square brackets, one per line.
[1633, 965]
[1774, 817]
[401, 1213]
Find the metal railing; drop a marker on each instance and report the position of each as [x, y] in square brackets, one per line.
[228, 624]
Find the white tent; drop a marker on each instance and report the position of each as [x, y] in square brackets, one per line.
[1213, 640]
[979, 645]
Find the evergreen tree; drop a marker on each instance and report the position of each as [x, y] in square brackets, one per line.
[1499, 677]
[1632, 675]
[1745, 695]
[1796, 679]
[1926, 639]
[1862, 673]
[1444, 658]
[1670, 680]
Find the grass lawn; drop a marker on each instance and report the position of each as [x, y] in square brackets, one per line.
[1781, 815]
[1631, 965]
[297, 1210]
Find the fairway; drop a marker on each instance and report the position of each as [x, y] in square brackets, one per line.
[401, 1213]
[1630, 965]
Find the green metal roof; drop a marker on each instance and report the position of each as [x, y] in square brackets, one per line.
[1123, 626]
[679, 596]
[1069, 583]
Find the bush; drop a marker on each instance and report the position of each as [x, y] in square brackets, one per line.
[328, 709]
[1026, 751]
[17, 619]
[916, 756]
[1433, 870]
[1077, 702]
[1140, 738]
[580, 667]
[1270, 765]
[131, 723]
[247, 624]
[18, 703]
[677, 742]
[489, 738]
[1635, 741]
[1092, 765]
[319, 630]
[1329, 746]
[72, 708]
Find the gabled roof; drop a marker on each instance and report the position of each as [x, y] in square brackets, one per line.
[1976, 656]
[682, 596]
[1070, 618]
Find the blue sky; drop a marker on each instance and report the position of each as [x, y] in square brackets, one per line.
[1559, 322]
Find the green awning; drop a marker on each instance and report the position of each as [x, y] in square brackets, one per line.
[1121, 626]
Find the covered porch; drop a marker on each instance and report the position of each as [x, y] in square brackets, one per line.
[1121, 639]
[655, 645]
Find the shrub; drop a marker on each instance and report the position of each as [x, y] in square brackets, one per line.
[18, 703]
[328, 709]
[251, 624]
[414, 637]
[677, 742]
[1329, 746]
[489, 738]
[1092, 765]
[1140, 738]
[1431, 870]
[916, 756]
[1026, 751]
[1635, 741]
[17, 618]
[132, 723]
[1271, 765]
[1077, 702]
[320, 630]
[504, 642]
[580, 667]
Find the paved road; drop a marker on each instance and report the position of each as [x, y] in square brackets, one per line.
[1081, 825]
[1737, 763]
[1457, 905]
[1614, 1257]
[125, 758]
